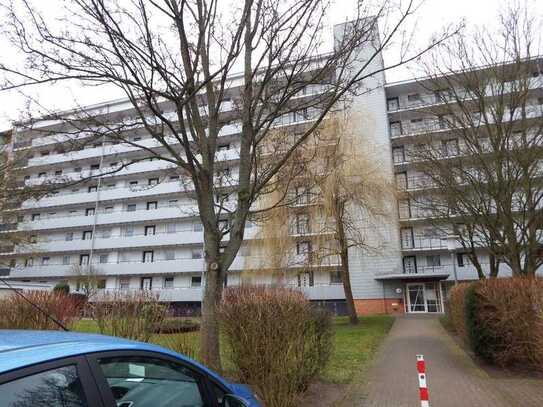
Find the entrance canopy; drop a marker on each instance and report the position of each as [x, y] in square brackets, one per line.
[413, 276]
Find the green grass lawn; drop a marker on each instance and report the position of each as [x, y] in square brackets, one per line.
[354, 346]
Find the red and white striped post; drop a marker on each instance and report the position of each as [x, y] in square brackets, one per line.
[423, 388]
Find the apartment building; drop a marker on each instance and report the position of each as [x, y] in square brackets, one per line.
[138, 228]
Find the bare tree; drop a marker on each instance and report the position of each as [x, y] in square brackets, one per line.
[484, 168]
[175, 61]
[355, 194]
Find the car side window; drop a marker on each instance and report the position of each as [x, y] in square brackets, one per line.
[140, 381]
[59, 387]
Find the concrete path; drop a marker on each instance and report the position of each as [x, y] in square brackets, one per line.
[453, 378]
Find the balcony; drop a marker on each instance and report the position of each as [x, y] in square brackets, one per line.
[188, 294]
[163, 212]
[424, 243]
[194, 294]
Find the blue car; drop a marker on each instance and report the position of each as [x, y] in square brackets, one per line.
[68, 369]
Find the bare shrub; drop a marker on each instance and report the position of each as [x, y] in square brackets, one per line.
[133, 315]
[508, 319]
[17, 313]
[456, 309]
[278, 341]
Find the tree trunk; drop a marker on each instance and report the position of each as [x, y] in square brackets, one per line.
[346, 280]
[494, 266]
[209, 331]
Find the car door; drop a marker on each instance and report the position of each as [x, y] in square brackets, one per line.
[63, 383]
[150, 379]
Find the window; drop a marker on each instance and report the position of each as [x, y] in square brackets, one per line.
[137, 138]
[148, 256]
[173, 203]
[401, 180]
[150, 230]
[66, 260]
[302, 195]
[449, 148]
[302, 224]
[223, 224]
[103, 258]
[197, 253]
[55, 387]
[410, 264]
[171, 228]
[174, 177]
[395, 129]
[42, 174]
[303, 248]
[131, 208]
[108, 209]
[87, 235]
[168, 282]
[44, 153]
[77, 169]
[223, 147]
[146, 283]
[58, 172]
[45, 261]
[94, 167]
[413, 98]
[393, 103]
[245, 250]
[169, 255]
[139, 377]
[335, 277]
[35, 216]
[93, 188]
[33, 239]
[89, 212]
[398, 154]
[407, 238]
[460, 259]
[29, 262]
[196, 281]
[197, 227]
[153, 181]
[133, 183]
[111, 186]
[433, 261]
[83, 259]
[152, 205]
[124, 283]
[129, 230]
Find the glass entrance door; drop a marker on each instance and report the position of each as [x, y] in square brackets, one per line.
[424, 297]
[415, 298]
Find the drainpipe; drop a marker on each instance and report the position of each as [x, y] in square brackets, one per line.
[96, 202]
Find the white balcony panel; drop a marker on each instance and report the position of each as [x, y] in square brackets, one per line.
[324, 292]
[111, 218]
[189, 294]
[105, 195]
[123, 242]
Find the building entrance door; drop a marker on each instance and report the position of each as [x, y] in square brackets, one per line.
[424, 297]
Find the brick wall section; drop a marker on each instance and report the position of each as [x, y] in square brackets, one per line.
[379, 306]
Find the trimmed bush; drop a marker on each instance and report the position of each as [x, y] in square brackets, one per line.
[503, 320]
[278, 341]
[456, 310]
[176, 325]
[63, 288]
[17, 313]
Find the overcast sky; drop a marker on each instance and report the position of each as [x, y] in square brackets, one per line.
[432, 17]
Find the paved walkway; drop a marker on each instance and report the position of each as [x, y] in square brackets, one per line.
[453, 378]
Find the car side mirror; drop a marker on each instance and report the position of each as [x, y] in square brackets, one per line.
[231, 400]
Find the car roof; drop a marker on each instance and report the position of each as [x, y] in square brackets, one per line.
[22, 348]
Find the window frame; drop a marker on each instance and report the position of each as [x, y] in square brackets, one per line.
[89, 385]
[204, 381]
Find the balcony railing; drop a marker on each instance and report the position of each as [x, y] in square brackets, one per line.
[422, 242]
